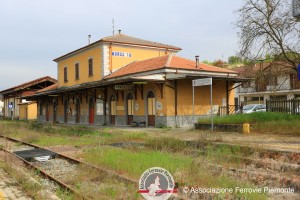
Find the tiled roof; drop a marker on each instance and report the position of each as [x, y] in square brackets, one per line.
[125, 39]
[165, 62]
[51, 87]
[122, 39]
[252, 70]
[28, 93]
[30, 83]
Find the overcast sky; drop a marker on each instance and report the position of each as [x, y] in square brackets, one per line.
[34, 32]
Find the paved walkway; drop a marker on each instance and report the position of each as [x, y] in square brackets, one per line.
[8, 188]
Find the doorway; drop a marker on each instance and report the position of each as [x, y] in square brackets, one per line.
[130, 107]
[77, 108]
[113, 110]
[91, 110]
[151, 108]
[66, 111]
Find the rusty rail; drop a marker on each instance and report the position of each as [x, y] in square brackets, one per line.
[115, 175]
[48, 176]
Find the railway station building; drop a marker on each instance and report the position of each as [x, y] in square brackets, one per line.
[122, 80]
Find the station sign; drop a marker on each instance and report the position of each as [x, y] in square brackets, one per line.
[121, 54]
[123, 87]
[202, 82]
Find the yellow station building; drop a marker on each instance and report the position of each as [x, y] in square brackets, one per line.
[123, 80]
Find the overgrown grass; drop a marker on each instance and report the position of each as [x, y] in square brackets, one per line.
[262, 122]
[94, 183]
[163, 152]
[165, 144]
[48, 135]
[185, 170]
[133, 163]
[256, 117]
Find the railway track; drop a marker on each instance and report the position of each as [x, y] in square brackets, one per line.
[258, 175]
[70, 164]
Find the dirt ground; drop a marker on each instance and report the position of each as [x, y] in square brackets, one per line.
[264, 141]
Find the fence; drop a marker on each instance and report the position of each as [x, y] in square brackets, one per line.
[291, 106]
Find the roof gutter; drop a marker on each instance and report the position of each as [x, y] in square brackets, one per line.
[174, 71]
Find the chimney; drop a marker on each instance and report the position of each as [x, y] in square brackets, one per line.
[197, 61]
[89, 39]
[119, 31]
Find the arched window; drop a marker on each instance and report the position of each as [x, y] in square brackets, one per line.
[113, 105]
[130, 105]
[151, 103]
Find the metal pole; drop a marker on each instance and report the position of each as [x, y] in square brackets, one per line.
[211, 109]
[193, 104]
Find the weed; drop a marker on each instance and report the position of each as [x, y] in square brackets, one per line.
[135, 163]
[270, 122]
[165, 143]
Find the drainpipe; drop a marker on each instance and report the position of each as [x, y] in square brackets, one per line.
[176, 103]
[227, 96]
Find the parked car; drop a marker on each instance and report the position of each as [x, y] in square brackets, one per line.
[250, 108]
[297, 110]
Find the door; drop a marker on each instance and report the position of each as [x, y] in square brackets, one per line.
[91, 110]
[66, 110]
[130, 107]
[77, 106]
[151, 108]
[113, 110]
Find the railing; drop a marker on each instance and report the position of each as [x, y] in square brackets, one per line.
[291, 106]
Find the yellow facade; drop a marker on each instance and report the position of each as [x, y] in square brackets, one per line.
[28, 111]
[112, 61]
[202, 97]
[82, 59]
[137, 54]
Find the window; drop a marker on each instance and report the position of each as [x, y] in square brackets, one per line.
[246, 84]
[65, 74]
[272, 80]
[91, 67]
[76, 71]
[294, 82]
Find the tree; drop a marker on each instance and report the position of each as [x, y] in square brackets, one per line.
[219, 63]
[267, 28]
[234, 60]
